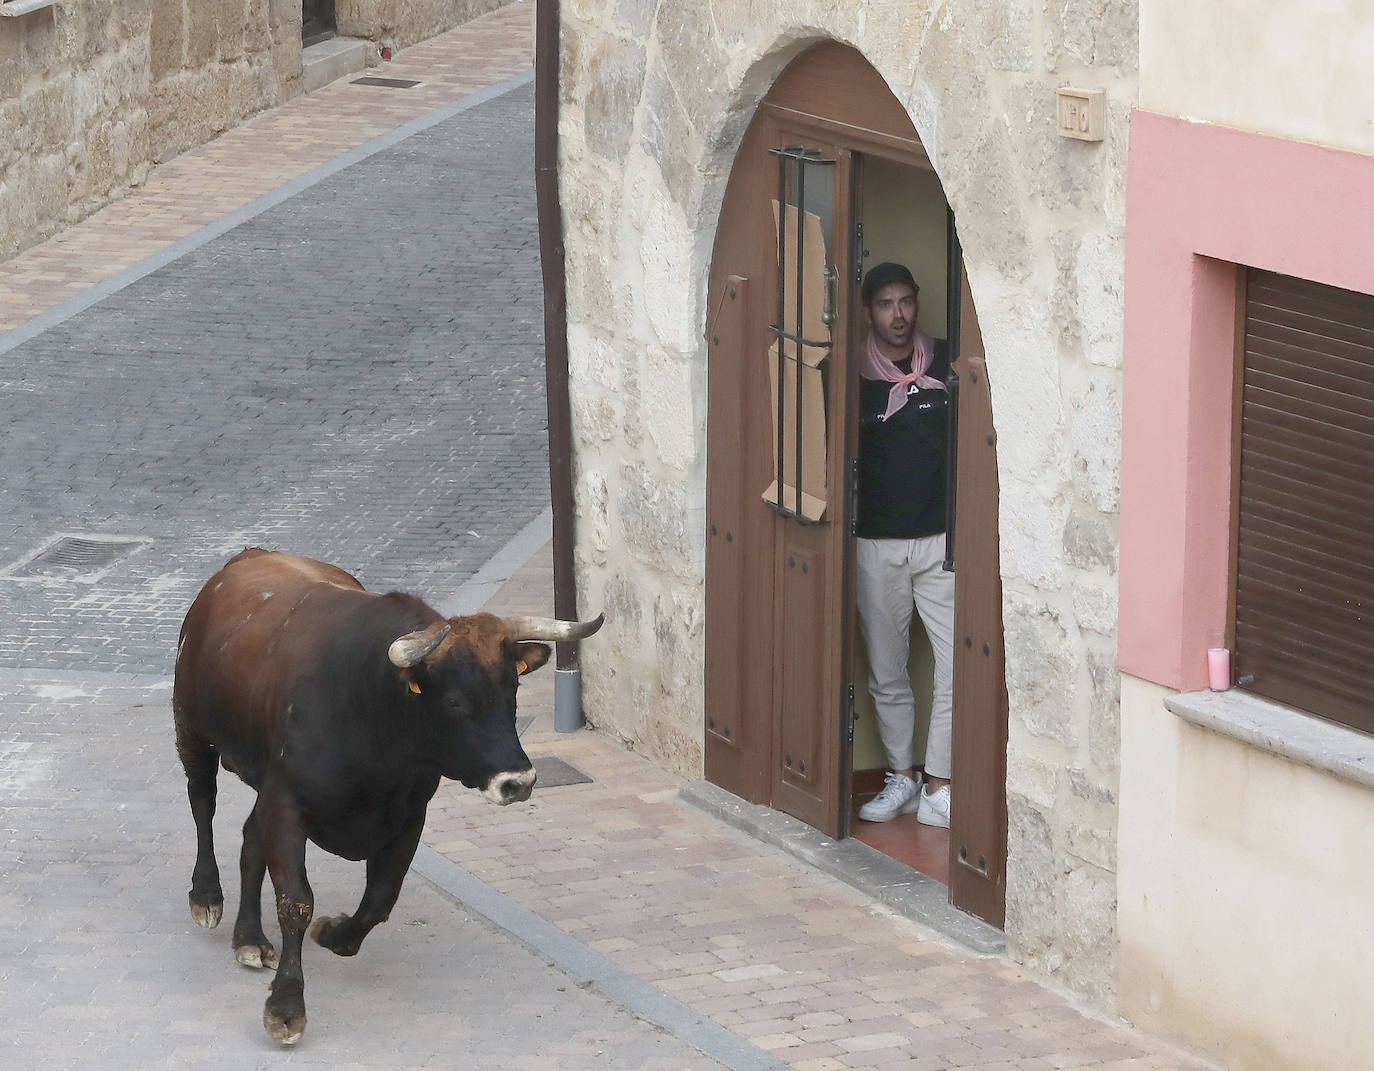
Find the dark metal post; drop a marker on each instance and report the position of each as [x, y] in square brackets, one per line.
[551, 255]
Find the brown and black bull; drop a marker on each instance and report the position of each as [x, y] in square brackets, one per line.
[342, 708]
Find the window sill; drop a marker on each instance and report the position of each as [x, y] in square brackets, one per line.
[1282, 731]
[14, 8]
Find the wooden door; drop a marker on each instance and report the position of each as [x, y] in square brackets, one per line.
[978, 819]
[810, 546]
[739, 527]
[776, 512]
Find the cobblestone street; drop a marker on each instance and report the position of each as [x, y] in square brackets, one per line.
[323, 333]
[355, 374]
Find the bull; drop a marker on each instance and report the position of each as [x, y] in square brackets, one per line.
[342, 708]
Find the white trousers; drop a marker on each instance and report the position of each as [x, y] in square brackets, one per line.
[895, 575]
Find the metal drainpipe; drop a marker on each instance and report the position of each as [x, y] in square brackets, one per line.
[567, 708]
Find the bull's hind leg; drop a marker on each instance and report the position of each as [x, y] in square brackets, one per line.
[200, 760]
[251, 946]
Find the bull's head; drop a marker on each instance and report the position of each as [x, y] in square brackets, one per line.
[464, 671]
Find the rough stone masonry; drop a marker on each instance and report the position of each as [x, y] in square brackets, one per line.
[656, 98]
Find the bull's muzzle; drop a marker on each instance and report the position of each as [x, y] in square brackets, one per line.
[510, 787]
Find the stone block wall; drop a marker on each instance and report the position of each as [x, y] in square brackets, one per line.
[400, 23]
[215, 62]
[94, 93]
[656, 97]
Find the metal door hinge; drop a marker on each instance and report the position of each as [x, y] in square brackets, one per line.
[850, 714]
[859, 252]
[852, 495]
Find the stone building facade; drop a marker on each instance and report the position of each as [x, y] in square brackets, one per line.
[93, 94]
[1194, 861]
[656, 99]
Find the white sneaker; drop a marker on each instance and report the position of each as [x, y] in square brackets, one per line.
[900, 795]
[933, 809]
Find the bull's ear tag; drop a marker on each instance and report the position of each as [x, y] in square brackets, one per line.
[414, 687]
[521, 667]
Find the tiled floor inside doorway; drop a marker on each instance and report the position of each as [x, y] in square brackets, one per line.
[923, 848]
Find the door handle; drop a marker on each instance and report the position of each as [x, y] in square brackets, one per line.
[828, 305]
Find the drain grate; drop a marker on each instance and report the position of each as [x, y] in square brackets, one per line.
[554, 772]
[389, 83]
[74, 557]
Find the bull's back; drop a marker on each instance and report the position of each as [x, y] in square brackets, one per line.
[255, 628]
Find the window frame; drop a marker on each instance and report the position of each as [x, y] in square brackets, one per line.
[1201, 199]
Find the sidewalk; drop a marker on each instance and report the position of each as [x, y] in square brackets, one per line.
[796, 962]
[687, 922]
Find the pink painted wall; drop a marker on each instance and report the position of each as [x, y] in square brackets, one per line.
[1201, 199]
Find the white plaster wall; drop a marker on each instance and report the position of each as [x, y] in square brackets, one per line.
[1244, 896]
[1298, 70]
[656, 96]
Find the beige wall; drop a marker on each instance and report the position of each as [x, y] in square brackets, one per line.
[905, 220]
[656, 97]
[1244, 896]
[1299, 70]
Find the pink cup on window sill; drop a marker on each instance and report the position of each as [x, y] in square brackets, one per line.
[1218, 661]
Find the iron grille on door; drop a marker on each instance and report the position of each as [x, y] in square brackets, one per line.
[801, 348]
[1305, 511]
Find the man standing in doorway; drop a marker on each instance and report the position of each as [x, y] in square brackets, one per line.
[901, 546]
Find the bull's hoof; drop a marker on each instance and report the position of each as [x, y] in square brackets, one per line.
[333, 933]
[257, 955]
[207, 915]
[285, 1027]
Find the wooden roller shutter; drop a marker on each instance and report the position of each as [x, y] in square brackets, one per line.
[1305, 528]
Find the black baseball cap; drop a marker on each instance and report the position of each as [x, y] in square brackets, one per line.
[885, 274]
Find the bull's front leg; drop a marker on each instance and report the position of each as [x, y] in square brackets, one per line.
[386, 872]
[283, 847]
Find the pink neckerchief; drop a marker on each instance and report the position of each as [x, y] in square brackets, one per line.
[873, 365]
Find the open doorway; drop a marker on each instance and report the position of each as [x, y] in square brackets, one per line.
[787, 716]
[903, 218]
[318, 21]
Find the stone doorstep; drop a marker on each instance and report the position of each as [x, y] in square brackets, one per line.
[893, 884]
[325, 61]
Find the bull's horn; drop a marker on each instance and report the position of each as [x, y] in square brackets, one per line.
[546, 628]
[414, 647]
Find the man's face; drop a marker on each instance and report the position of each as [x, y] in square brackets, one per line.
[892, 314]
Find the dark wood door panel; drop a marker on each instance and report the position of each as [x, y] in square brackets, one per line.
[978, 822]
[803, 711]
[739, 596]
